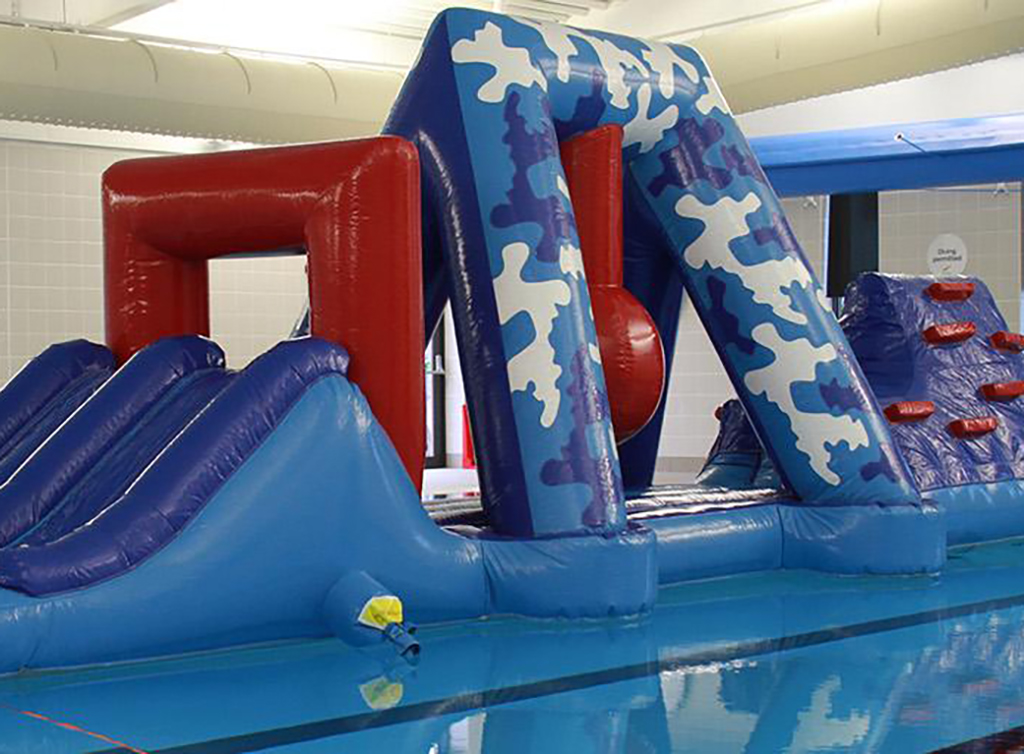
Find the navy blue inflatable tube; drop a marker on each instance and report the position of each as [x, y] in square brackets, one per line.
[69, 454]
[117, 469]
[45, 393]
[44, 377]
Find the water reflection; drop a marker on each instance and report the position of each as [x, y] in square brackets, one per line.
[701, 676]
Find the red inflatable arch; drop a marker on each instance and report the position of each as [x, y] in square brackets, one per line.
[354, 206]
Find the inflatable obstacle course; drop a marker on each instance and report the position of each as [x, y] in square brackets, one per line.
[185, 507]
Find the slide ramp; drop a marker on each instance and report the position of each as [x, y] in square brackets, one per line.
[98, 452]
[237, 531]
[255, 521]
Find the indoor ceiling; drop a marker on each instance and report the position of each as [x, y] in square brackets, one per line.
[126, 58]
[384, 33]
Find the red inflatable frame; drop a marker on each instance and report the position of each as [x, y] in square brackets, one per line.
[354, 206]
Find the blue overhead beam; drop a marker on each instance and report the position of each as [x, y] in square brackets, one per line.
[936, 153]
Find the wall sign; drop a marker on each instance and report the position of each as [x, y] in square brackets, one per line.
[947, 255]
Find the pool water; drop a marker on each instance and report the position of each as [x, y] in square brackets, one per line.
[776, 662]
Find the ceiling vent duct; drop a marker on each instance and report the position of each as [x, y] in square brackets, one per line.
[93, 81]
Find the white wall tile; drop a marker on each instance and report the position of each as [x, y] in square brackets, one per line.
[254, 303]
[988, 221]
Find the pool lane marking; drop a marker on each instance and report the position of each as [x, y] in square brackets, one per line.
[119, 746]
[1003, 742]
[245, 743]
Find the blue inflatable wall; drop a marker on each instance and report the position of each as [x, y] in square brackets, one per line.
[977, 480]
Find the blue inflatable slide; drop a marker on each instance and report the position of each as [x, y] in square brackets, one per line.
[174, 505]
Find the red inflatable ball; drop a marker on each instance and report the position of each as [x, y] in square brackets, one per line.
[633, 359]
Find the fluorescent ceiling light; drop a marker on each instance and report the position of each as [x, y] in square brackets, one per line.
[372, 31]
[347, 30]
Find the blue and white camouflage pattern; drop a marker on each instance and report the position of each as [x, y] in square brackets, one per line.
[487, 104]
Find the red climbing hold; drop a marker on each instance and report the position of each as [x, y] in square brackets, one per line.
[1007, 341]
[1003, 391]
[950, 291]
[950, 332]
[909, 411]
[967, 428]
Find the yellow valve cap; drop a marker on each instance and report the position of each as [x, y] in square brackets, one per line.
[378, 612]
